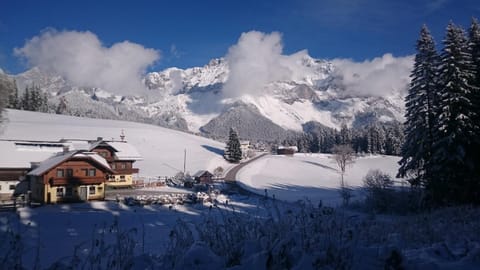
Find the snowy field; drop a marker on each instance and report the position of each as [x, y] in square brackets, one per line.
[248, 233]
[162, 149]
[56, 232]
[234, 231]
[312, 176]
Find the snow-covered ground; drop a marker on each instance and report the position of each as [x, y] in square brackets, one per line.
[236, 231]
[56, 231]
[162, 149]
[312, 176]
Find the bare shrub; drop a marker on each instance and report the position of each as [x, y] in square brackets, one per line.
[343, 155]
[377, 180]
[379, 192]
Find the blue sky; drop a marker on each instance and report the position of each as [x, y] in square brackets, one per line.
[190, 33]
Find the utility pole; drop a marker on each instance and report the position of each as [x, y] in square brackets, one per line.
[184, 161]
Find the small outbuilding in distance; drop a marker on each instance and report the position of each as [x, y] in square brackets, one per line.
[203, 177]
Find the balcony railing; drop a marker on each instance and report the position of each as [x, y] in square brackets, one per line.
[126, 171]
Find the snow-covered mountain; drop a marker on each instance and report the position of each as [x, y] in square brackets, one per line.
[193, 99]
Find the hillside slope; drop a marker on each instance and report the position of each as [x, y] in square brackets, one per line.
[162, 149]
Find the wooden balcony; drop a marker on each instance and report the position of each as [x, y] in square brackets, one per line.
[126, 171]
[76, 181]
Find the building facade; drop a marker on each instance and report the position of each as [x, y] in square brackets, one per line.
[19, 157]
[120, 156]
[68, 177]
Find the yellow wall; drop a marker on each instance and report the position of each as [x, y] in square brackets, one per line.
[99, 192]
[117, 182]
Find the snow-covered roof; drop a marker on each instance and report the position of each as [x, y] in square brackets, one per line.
[95, 157]
[125, 151]
[200, 173]
[48, 164]
[77, 144]
[20, 154]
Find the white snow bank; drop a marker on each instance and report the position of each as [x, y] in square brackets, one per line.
[312, 176]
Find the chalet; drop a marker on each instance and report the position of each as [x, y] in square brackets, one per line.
[120, 156]
[69, 176]
[287, 150]
[18, 157]
[203, 177]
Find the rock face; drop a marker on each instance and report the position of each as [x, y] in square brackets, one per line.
[192, 100]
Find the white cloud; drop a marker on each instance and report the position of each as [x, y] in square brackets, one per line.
[257, 60]
[176, 79]
[81, 58]
[377, 77]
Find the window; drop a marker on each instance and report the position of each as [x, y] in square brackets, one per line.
[114, 166]
[122, 178]
[12, 187]
[104, 154]
[123, 165]
[59, 192]
[91, 190]
[69, 172]
[60, 173]
[89, 172]
[68, 192]
[100, 189]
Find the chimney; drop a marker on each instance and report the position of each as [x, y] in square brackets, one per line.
[122, 136]
[66, 149]
[99, 139]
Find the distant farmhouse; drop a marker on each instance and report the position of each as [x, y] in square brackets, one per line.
[203, 177]
[65, 170]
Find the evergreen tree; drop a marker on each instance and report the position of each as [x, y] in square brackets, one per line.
[44, 102]
[62, 106]
[420, 106]
[376, 139]
[359, 141]
[5, 89]
[474, 47]
[314, 144]
[26, 100]
[13, 102]
[35, 98]
[345, 135]
[394, 139]
[454, 127]
[233, 151]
